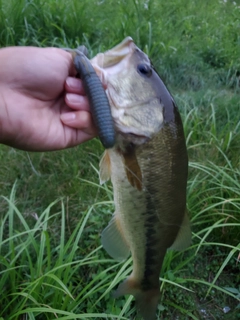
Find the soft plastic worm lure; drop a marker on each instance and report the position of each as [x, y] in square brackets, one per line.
[95, 92]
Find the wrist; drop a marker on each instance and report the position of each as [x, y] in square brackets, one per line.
[9, 99]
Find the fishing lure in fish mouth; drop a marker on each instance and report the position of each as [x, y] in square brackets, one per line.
[95, 92]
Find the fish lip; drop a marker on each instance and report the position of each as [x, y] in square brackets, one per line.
[135, 135]
[118, 53]
[124, 138]
[129, 134]
[113, 56]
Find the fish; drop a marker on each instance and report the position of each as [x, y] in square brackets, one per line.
[148, 168]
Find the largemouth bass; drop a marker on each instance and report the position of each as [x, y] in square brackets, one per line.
[148, 167]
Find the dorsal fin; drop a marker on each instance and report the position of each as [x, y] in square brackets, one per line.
[132, 168]
[105, 168]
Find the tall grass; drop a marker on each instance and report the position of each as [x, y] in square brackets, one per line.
[51, 262]
[38, 277]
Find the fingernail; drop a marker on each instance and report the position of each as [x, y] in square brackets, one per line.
[68, 117]
[71, 82]
[74, 98]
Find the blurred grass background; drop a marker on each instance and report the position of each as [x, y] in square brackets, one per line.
[195, 47]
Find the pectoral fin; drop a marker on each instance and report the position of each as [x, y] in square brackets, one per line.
[105, 168]
[113, 240]
[183, 239]
[132, 168]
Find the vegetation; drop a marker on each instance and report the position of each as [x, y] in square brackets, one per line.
[52, 208]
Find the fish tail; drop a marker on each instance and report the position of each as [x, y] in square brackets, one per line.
[146, 300]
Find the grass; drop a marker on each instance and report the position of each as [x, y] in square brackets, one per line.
[52, 208]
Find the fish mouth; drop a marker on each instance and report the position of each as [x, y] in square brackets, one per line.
[112, 57]
[118, 53]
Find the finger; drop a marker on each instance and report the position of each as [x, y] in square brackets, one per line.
[77, 102]
[81, 120]
[75, 137]
[74, 85]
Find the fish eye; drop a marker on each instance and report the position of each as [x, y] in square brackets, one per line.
[144, 69]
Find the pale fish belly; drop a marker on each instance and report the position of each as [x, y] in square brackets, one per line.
[130, 210]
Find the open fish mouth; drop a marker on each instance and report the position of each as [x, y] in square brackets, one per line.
[110, 63]
[118, 53]
[113, 57]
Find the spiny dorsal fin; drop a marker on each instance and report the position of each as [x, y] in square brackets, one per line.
[113, 240]
[184, 236]
[132, 168]
[105, 168]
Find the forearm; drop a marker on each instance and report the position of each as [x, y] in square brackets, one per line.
[3, 95]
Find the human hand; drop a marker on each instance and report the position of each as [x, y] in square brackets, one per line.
[42, 105]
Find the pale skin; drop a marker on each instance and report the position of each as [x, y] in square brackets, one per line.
[43, 106]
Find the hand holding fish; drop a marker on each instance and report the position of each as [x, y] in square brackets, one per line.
[42, 106]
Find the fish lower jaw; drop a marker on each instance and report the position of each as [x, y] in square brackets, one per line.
[124, 138]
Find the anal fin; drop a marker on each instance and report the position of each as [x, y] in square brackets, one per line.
[113, 240]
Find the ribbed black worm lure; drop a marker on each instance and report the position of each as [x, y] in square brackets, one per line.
[95, 92]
